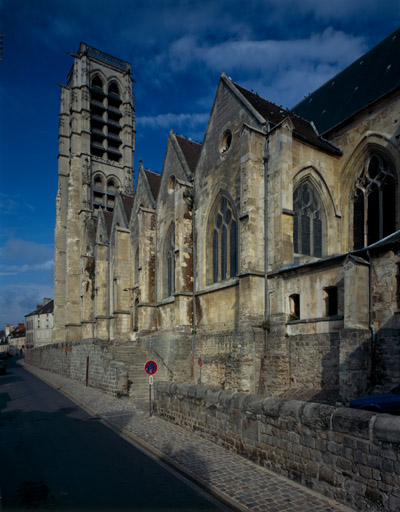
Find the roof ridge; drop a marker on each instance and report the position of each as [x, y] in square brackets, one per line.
[188, 139]
[275, 114]
[152, 172]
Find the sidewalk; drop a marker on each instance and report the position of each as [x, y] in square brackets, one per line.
[232, 479]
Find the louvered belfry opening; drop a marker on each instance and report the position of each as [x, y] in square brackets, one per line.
[105, 120]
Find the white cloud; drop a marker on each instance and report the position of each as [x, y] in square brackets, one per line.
[172, 121]
[18, 300]
[340, 9]
[8, 205]
[267, 55]
[18, 269]
[26, 253]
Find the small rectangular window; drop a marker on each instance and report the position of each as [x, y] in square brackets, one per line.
[331, 301]
[294, 301]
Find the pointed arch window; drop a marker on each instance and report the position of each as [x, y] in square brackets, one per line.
[169, 262]
[223, 233]
[308, 221]
[374, 201]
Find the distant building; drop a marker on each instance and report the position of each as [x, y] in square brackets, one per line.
[16, 339]
[39, 325]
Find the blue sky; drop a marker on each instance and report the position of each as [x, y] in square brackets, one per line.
[178, 49]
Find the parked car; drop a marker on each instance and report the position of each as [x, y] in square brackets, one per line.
[3, 367]
[387, 402]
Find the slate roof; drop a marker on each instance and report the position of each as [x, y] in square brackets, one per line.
[127, 201]
[389, 240]
[47, 308]
[303, 130]
[392, 240]
[154, 180]
[368, 79]
[191, 151]
[108, 220]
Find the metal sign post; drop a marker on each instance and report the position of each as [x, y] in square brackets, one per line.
[150, 368]
[150, 386]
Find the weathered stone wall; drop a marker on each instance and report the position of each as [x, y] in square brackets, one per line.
[349, 455]
[70, 358]
[387, 356]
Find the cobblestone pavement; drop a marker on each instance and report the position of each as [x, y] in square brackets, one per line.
[239, 483]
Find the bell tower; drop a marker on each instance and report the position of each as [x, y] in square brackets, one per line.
[95, 162]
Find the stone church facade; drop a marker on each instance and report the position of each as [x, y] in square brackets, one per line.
[269, 253]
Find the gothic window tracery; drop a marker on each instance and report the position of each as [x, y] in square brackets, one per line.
[374, 201]
[308, 221]
[223, 232]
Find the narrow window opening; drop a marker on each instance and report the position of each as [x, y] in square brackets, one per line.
[331, 301]
[136, 316]
[169, 263]
[294, 302]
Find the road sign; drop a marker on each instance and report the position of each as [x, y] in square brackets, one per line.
[150, 367]
[200, 361]
[150, 380]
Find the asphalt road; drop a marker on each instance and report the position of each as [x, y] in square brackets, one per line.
[55, 456]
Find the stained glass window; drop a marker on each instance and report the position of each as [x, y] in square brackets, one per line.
[307, 222]
[224, 241]
[374, 201]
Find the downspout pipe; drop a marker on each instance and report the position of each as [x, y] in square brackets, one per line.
[194, 321]
[110, 291]
[370, 324]
[155, 267]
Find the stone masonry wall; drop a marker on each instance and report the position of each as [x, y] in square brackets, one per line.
[70, 358]
[349, 455]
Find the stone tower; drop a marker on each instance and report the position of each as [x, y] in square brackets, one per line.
[95, 162]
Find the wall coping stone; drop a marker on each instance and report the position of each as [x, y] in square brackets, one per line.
[352, 420]
[387, 428]
[365, 424]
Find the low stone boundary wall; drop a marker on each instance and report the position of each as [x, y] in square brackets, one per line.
[348, 455]
[70, 359]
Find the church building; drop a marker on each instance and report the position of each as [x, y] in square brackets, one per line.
[267, 257]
